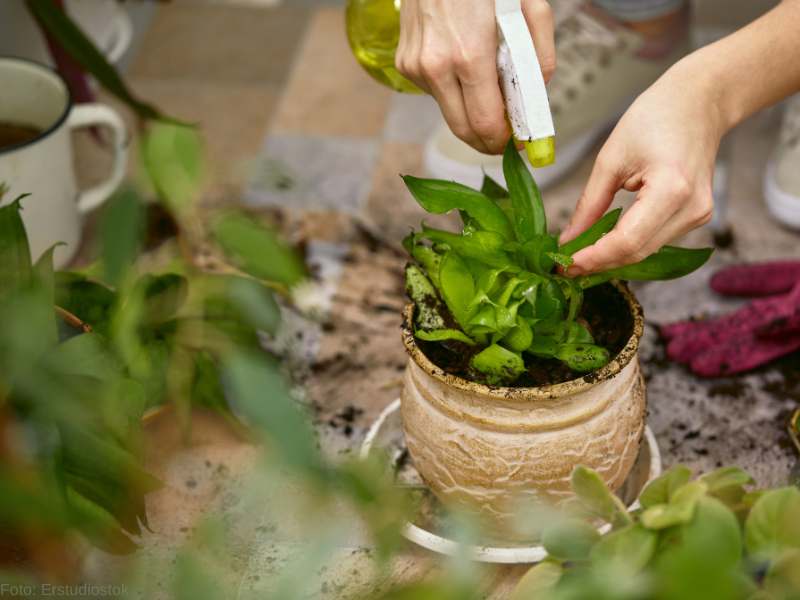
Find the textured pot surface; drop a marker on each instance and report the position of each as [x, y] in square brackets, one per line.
[488, 448]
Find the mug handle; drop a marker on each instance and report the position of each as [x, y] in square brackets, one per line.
[123, 34]
[87, 115]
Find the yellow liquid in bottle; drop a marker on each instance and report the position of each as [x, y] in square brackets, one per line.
[373, 30]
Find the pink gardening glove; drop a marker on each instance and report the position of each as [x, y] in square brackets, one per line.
[753, 335]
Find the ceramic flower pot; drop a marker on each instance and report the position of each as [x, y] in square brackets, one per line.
[487, 449]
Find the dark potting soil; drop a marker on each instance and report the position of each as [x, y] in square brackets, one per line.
[604, 310]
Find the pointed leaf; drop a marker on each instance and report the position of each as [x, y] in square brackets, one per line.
[442, 335]
[492, 189]
[484, 246]
[15, 255]
[439, 197]
[529, 216]
[595, 232]
[668, 263]
[258, 250]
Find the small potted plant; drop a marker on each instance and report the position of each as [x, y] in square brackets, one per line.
[517, 373]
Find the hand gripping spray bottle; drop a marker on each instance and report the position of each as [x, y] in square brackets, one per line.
[373, 29]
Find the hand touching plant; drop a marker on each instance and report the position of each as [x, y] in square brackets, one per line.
[494, 288]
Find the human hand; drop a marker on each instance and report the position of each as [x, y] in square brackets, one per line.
[448, 48]
[664, 149]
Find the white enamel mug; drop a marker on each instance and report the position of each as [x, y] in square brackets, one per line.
[34, 95]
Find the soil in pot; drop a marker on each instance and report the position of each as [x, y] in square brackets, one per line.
[605, 311]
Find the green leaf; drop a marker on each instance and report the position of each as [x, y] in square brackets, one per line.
[492, 189]
[258, 250]
[520, 337]
[121, 234]
[562, 260]
[255, 302]
[597, 498]
[261, 394]
[173, 158]
[98, 524]
[680, 508]
[543, 346]
[626, 550]
[162, 296]
[701, 559]
[428, 315]
[582, 357]
[90, 301]
[458, 287]
[442, 335]
[537, 251]
[726, 477]
[498, 364]
[430, 261]
[44, 289]
[668, 263]
[570, 539]
[439, 197]
[484, 246]
[593, 234]
[15, 255]
[662, 488]
[773, 524]
[88, 355]
[538, 581]
[550, 301]
[70, 37]
[575, 333]
[783, 577]
[526, 200]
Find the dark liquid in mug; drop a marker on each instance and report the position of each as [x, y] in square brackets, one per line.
[12, 134]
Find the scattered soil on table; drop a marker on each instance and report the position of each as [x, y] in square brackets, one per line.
[604, 310]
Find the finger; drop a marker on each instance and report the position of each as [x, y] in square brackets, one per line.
[644, 228]
[604, 181]
[409, 48]
[450, 97]
[483, 102]
[539, 16]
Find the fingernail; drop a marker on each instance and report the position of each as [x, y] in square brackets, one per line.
[575, 271]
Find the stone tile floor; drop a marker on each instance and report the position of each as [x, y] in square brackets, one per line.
[294, 126]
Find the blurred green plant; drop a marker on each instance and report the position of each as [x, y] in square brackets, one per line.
[494, 286]
[701, 538]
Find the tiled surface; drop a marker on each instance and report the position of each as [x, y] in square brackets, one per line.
[313, 172]
[296, 124]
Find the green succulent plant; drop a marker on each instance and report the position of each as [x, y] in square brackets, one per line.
[495, 285]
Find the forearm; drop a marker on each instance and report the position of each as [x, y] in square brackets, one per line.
[748, 70]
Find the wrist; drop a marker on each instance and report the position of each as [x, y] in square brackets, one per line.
[699, 79]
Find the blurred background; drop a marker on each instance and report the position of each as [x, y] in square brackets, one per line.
[295, 134]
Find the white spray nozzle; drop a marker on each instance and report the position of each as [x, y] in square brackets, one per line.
[521, 75]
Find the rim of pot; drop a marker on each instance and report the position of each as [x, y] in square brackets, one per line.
[573, 386]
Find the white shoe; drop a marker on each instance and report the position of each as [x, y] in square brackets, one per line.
[600, 71]
[782, 178]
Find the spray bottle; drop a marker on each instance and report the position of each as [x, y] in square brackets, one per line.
[373, 29]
